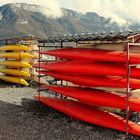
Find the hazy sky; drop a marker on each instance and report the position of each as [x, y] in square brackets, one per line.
[121, 11]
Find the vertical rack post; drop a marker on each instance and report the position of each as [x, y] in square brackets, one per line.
[127, 91]
[39, 84]
[6, 43]
[56, 58]
[31, 61]
[19, 64]
[61, 80]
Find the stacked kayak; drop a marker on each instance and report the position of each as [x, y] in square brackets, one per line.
[94, 97]
[13, 65]
[90, 114]
[97, 55]
[88, 69]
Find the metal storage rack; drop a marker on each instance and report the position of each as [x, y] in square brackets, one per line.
[134, 42]
[128, 38]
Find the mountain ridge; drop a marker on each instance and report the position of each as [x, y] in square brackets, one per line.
[22, 19]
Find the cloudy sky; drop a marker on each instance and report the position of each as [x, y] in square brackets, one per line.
[121, 11]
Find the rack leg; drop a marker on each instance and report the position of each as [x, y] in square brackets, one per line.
[127, 94]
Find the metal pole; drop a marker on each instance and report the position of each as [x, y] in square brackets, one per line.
[127, 92]
[19, 51]
[31, 61]
[61, 80]
[39, 84]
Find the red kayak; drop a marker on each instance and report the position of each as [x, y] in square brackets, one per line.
[86, 54]
[95, 81]
[89, 68]
[96, 97]
[90, 114]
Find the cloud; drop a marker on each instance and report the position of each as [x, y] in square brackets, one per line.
[51, 7]
[121, 11]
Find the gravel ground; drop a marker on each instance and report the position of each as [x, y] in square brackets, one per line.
[23, 118]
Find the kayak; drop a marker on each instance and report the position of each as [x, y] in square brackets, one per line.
[85, 54]
[96, 97]
[16, 55]
[95, 81]
[16, 80]
[14, 48]
[15, 72]
[88, 68]
[90, 114]
[15, 64]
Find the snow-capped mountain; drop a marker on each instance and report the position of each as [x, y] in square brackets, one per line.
[22, 19]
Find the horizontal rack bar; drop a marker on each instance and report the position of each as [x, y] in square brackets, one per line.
[134, 44]
[40, 90]
[133, 65]
[41, 75]
[55, 46]
[46, 60]
[33, 50]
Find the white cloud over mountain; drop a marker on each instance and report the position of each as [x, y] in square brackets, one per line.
[51, 7]
[121, 11]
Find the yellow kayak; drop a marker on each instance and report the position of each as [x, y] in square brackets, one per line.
[16, 55]
[15, 64]
[15, 72]
[16, 80]
[14, 48]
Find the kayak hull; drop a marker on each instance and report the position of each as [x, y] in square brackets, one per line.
[15, 72]
[15, 64]
[88, 68]
[90, 114]
[16, 80]
[16, 55]
[96, 97]
[14, 48]
[85, 54]
[95, 81]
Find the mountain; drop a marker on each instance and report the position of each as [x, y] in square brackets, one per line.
[22, 19]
